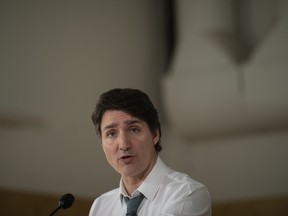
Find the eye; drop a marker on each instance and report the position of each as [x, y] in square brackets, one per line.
[134, 130]
[111, 134]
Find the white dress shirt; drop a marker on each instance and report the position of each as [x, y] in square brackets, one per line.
[166, 192]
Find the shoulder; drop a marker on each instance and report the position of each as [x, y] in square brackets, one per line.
[175, 181]
[183, 182]
[106, 203]
[110, 194]
[180, 186]
[185, 195]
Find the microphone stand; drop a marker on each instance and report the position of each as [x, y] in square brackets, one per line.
[59, 207]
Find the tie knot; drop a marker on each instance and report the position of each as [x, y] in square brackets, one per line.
[133, 204]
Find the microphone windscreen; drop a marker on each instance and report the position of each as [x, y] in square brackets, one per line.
[66, 201]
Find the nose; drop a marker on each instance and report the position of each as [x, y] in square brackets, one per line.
[124, 142]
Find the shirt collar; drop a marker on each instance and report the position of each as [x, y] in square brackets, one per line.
[151, 184]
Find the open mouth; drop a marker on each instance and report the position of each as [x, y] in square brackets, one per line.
[126, 158]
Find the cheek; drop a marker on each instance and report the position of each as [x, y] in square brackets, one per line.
[108, 150]
[109, 156]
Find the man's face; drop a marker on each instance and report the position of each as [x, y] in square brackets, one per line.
[128, 144]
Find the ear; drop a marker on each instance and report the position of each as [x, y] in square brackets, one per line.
[156, 136]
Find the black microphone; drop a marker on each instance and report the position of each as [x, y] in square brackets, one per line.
[65, 202]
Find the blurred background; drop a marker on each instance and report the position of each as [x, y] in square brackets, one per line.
[215, 69]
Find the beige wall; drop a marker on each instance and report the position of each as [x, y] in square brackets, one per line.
[55, 60]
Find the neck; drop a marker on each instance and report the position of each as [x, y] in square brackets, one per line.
[131, 186]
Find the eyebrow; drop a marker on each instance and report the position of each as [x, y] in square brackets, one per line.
[133, 121]
[127, 122]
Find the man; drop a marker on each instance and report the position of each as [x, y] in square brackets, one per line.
[130, 132]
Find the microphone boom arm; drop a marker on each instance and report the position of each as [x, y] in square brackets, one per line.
[65, 202]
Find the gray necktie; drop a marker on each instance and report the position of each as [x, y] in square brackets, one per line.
[133, 204]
